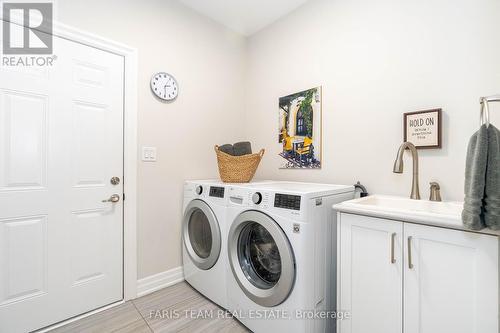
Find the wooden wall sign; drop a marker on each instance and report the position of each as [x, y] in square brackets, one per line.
[423, 128]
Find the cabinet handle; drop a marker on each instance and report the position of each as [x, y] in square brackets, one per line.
[410, 264]
[393, 238]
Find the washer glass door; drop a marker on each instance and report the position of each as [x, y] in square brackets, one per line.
[261, 258]
[201, 234]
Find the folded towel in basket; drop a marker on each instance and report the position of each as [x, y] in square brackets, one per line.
[492, 186]
[242, 148]
[475, 179]
[227, 148]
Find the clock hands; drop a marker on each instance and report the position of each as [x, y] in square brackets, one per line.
[165, 87]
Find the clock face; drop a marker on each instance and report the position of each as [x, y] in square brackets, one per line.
[164, 86]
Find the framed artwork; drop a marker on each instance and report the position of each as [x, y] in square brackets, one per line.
[423, 128]
[300, 130]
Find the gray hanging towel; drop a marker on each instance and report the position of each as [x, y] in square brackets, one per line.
[492, 186]
[475, 176]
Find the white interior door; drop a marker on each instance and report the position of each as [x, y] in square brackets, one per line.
[452, 285]
[61, 141]
[371, 275]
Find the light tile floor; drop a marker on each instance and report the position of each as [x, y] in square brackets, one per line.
[178, 308]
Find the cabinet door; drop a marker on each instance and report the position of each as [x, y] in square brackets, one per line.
[451, 281]
[370, 274]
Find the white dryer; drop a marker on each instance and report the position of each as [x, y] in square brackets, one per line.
[282, 255]
[204, 248]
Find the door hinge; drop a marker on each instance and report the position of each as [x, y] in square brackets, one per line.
[123, 196]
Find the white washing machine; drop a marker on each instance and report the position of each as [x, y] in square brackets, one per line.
[282, 255]
[204, 249]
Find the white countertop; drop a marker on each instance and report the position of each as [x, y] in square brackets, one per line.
[440, 214]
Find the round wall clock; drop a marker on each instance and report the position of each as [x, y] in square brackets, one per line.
[164, 86]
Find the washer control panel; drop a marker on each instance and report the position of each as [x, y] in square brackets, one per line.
[289, 205]
[199, 189]
[257, 198]
[287, 201]
[216, 191]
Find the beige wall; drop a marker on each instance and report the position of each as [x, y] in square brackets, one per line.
[375, 61]
[208, 62]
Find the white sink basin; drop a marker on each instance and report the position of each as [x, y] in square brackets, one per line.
[450, 209]
[444, 214]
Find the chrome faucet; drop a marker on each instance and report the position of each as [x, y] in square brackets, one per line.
[398, 167]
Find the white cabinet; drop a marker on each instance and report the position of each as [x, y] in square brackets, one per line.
[452, 285]
[403, 277]
[371, 274]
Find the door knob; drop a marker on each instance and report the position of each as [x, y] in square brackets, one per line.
[114, 198]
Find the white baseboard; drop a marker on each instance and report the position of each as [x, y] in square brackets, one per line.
[159, 281]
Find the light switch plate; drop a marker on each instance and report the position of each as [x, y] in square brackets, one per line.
[149, 154]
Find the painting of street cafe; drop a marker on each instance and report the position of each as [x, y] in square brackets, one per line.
[300, 129]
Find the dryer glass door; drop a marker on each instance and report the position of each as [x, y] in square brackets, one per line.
[201, 234]
[261, 258]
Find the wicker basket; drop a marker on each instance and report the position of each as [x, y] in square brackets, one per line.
[237, 169]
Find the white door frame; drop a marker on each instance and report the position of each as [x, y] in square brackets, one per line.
[130, 144]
